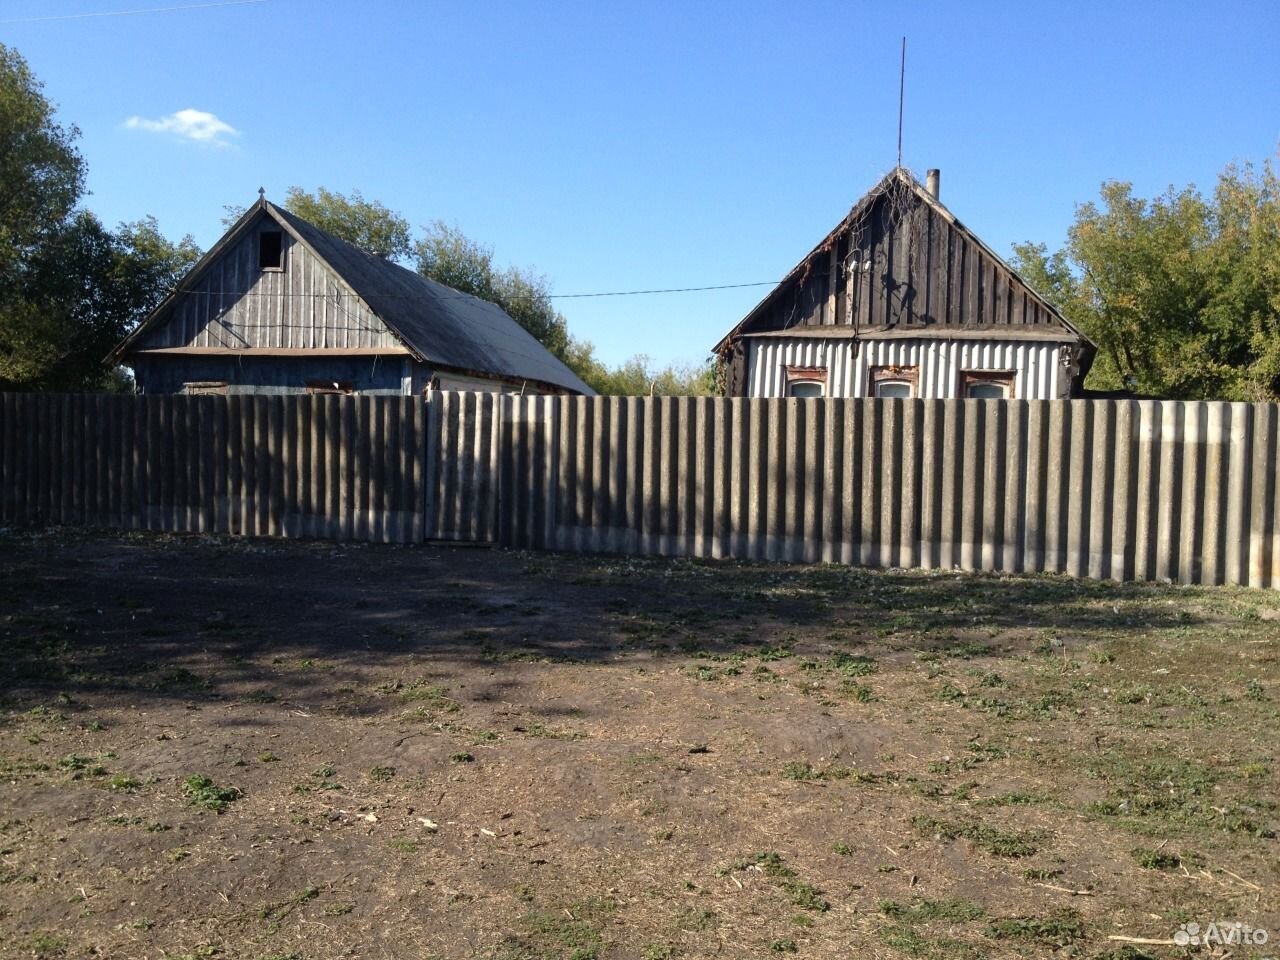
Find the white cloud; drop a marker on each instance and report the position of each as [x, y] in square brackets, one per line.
[189, 124]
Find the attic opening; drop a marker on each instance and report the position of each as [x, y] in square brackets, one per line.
[271, 250]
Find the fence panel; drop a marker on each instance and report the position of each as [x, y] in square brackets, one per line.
[1108, 489]
[297, 466]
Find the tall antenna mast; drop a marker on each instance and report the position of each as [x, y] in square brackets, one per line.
[902, 81]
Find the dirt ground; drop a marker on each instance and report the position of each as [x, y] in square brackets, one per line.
[235, 749]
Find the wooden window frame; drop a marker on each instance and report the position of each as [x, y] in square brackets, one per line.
[816, 375]
[330, 388]
[263, 267]
[907, 374]
[1005, 378]
[204, 388]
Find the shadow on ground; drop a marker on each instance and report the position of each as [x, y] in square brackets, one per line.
[83, 613]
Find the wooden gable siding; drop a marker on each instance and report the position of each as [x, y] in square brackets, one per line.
[926, 271]
[234, 304]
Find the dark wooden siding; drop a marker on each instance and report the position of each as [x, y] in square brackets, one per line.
[237, 305]
[925, 271]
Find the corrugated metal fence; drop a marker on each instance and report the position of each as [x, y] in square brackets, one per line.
[299, 466]
[1097, 488]
[1104, 489]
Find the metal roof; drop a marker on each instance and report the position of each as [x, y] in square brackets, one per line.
[439, 325]
[442, 325]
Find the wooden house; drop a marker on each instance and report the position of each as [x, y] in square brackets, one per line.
[902, 300]
[280, 306]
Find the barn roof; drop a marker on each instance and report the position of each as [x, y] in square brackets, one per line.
[439, 325]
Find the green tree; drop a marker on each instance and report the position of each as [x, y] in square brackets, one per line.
[447, 255]
[69, 288]
[1181, 292]
[41, 172]
[366, 223]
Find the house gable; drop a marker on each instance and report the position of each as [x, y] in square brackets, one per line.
[900, 261]
[232, 302]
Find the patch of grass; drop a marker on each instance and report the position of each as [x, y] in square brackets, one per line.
[123, 783]
[911, 942]
[994, 840]
[462, 758]
[1017, 798]
[801, 894]
[423, 693]
[202, 792]
[44, 944]
[1156, 859]
[79, 766]
[382, 774]
[854, 665]
[573, 932]
[927, 911]
[1173, 792]
[1059, 929]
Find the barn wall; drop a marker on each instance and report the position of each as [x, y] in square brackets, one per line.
[236, 305]
[1039, 374]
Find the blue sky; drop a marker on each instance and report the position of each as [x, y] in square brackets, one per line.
[651, 145]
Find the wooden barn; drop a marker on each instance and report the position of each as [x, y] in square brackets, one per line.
[902, 300]
[280, 306]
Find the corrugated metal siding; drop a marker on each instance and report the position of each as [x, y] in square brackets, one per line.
[940, 363]
[237, 305]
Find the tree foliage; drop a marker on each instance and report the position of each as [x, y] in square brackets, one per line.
[366, 223]
[69, 288]
[447, 255]
[1181, 292]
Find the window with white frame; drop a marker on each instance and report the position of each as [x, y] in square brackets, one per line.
[806, 382]
[894, 382]
[987, 384]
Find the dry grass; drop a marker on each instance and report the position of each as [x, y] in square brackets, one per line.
[231, 749]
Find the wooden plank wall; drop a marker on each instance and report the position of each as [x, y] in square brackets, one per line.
[1105, 489]
[235, 305]
[344, 468]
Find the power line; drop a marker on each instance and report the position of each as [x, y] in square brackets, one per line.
[637, 293]
[469, 296]
[131, 13]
